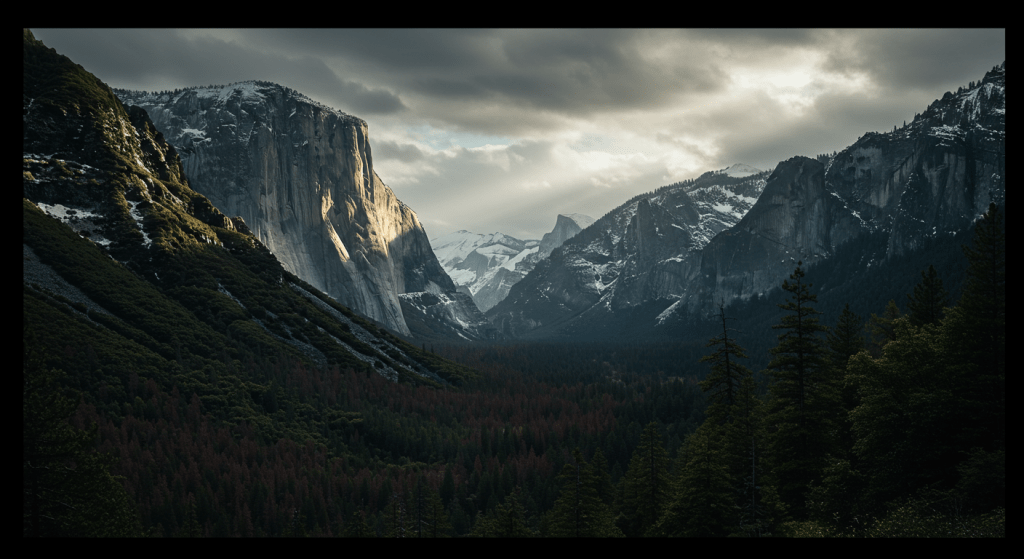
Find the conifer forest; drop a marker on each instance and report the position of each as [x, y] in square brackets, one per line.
[889, 426]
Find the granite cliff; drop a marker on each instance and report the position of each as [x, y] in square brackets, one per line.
[301, 176]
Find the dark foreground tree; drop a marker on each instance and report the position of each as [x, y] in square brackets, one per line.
[722, 384]
[802, 395]
[705, 499]
[977, 330]
[929, 301]
[507, 520]
[579, 510]
[645, 489]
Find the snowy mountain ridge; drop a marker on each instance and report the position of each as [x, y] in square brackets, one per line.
[487, 266]
[728, 235]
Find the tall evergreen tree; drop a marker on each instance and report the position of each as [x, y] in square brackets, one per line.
[579, 511]
[603, 479]
[704, 504]
[507, 520]
[801, 393]
[436, 523]
[645, 488]
[907, 421]
[929, 300]
[447, 486]
[978, 328]
[844, 340]
[722, 383]
[396, 517]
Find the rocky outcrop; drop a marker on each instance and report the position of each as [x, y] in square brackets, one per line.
[795, 219]
[301, 177]
[937, 173]
[566, 227]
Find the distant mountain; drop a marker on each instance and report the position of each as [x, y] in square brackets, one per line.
[487, 266]
[301, 176]
[646, 249]
[670, 256]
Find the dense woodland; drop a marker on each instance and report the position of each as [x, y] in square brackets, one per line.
[887, 426]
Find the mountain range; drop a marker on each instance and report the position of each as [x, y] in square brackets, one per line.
[299, 178]
[667, 258]
[487, 266]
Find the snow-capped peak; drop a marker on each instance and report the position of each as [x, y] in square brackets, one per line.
[740, 170]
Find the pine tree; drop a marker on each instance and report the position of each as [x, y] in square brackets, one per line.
[722, 383]
[436, 523]
[579, 511]
[929, 300]
[605, 489]
[357, 527]
[397, 519]
[705, 499]
[646, 486]
[801, 393]
[979, 327]
[507, 520]
[447, 486]
[845, 340]
[908, 417]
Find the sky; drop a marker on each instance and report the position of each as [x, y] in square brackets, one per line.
[502, 130]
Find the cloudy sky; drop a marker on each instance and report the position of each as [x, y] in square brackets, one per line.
[501, 130]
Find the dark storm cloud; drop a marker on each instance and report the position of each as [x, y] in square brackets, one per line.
[163, 59]
[450, 89]
[571, 72]
[920, 58]
[757, 37]
[389, 50]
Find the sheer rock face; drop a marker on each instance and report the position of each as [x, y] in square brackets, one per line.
[935, 174]
[301, 176]
[795, 219]
[566, 227]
